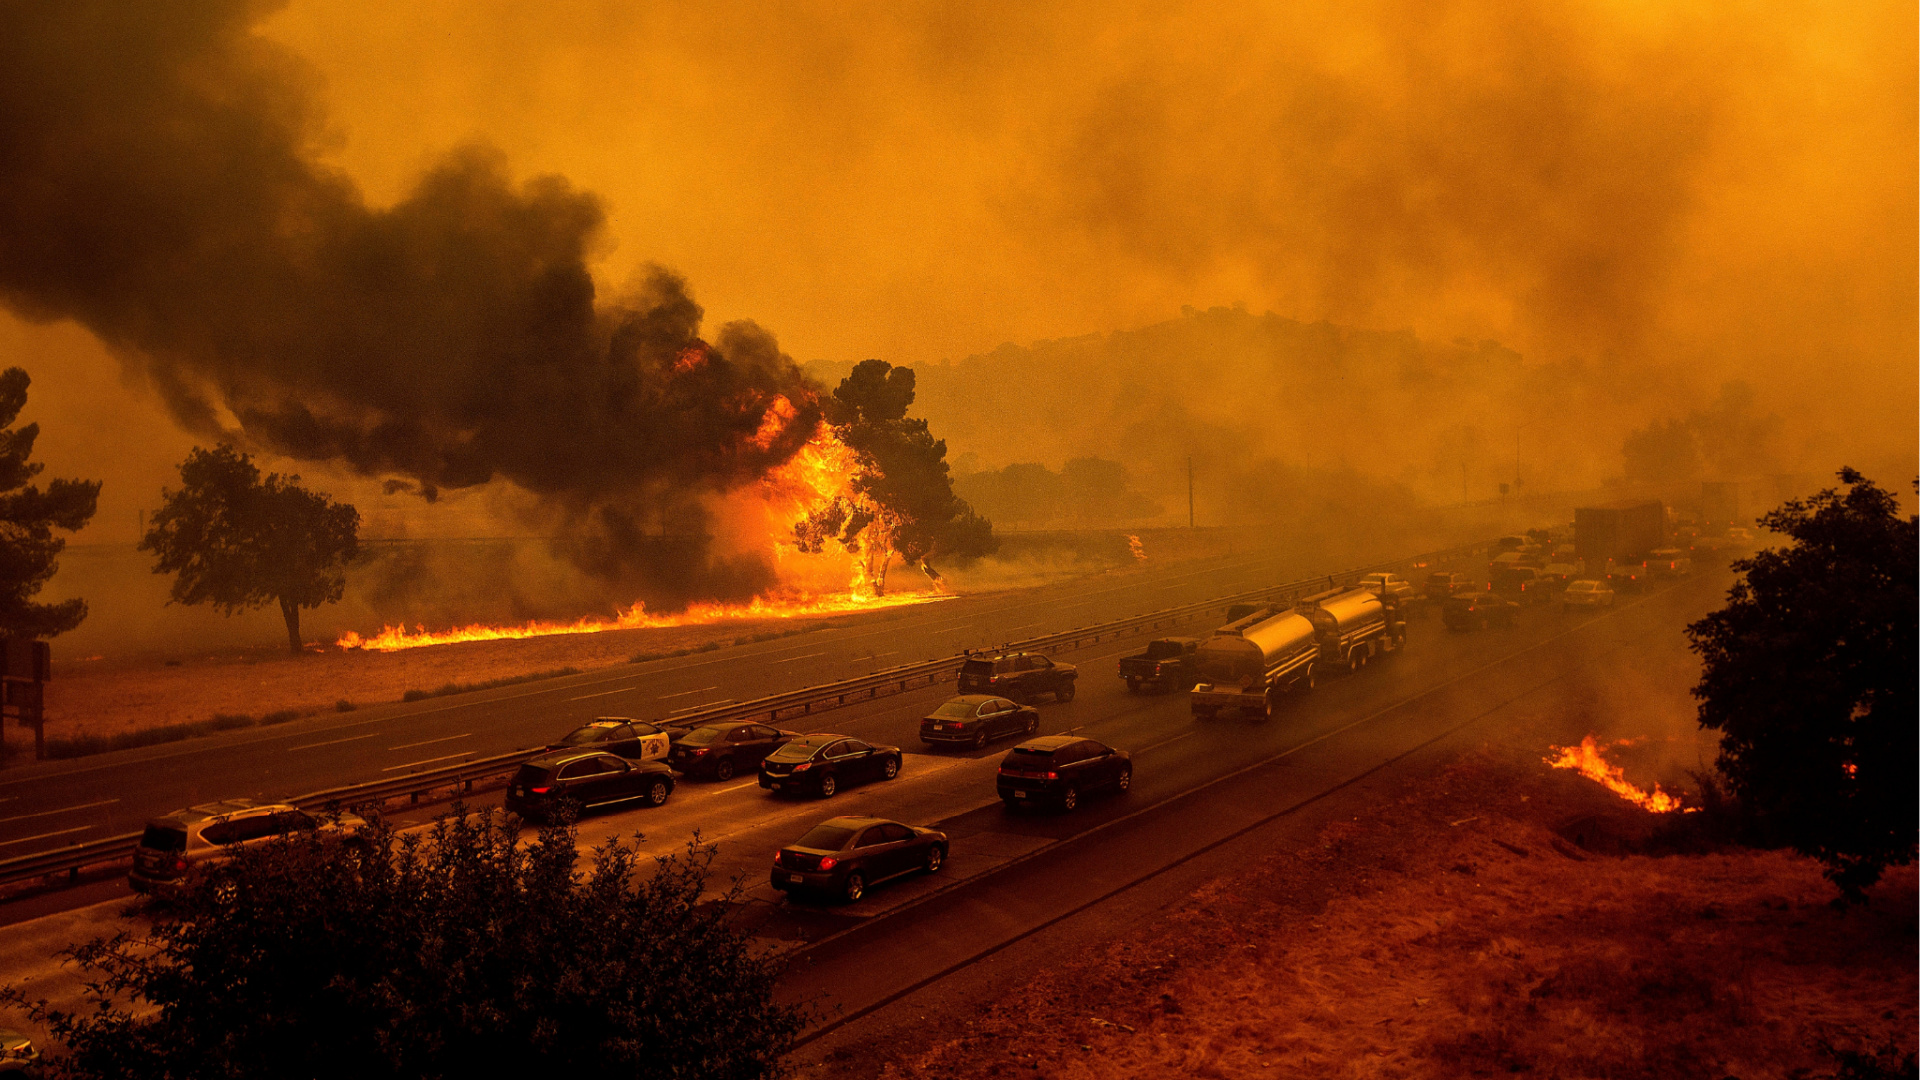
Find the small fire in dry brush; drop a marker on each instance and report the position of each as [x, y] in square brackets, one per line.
[1589, 760]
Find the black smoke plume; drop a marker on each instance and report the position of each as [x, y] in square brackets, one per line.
[161, 183]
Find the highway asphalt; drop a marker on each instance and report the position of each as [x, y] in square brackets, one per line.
[46, 805]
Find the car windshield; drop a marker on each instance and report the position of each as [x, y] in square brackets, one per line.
[164, 838]
[955, 709]
[583, 736]
[825, 838]
[977, 667]
[802, 748]
[701, 736]
[530, 775]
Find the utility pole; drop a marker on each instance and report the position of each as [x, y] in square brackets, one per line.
[1189, 491]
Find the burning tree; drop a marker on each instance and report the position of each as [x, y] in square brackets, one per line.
[28, 517]
[237, 541]
[901, 498]
[1809, 674]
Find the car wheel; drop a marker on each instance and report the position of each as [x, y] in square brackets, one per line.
[936, 857]
[1204, 714]
[890, 768]
[1313, 676]
[723, 769]
[565, 812]
[827, 787]
[1012, 804]
[1065, 693]
[1069, 799]
[1126, 780]
[657, 793]
[1133, 686]
[856, 887]
[980, 739]
[1033, 723]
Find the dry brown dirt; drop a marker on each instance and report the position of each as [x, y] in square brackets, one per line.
[1462, 931]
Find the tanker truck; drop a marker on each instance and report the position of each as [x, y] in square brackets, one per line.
[1245, 666]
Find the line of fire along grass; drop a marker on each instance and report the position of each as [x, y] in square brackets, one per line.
[83, 745]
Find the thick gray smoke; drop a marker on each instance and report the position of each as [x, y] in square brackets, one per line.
[160, 184]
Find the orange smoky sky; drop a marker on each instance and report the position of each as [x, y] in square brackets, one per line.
[1728, 189]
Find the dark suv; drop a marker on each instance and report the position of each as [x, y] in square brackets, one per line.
[1020, 676]
[1468, 610]
[567, 783]
[722, 749]
[1441, 585]
[1057, 768]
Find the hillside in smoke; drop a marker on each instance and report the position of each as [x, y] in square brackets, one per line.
[1281, 417]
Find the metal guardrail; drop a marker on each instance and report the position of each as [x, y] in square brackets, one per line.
[461, 778]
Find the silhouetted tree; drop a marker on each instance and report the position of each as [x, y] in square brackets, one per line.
[459, 953]
[237, 541]
[1809, 675]
[28, 517]
[906, 499]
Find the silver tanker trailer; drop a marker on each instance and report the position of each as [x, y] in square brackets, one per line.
[1246, 665]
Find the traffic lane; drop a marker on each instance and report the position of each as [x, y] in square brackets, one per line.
[867, 965]
[331, 751]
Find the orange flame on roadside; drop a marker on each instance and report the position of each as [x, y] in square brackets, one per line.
[1139, 550]
[1587, 759]
[823, 471]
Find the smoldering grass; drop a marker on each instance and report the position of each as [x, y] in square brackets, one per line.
[489, 684]
[643, 657]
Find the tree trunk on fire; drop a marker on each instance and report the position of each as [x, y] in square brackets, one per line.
[291, 612]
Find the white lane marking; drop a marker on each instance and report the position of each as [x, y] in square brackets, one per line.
[690, 708]
[951, 629]
[429, 761]
[809, 656]
[330, 742]
[62, 810]
[1022, 626]
[684, 693]
[605, 693]
[1164, 742]
[878, 655]
[430, 742]
[44, 835]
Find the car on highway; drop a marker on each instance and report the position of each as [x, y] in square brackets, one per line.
[821, 764]
[1440, 585]
[1020, 676]
[1557, 574]
[563, 785]
[18, 1055]
[1669, 563]
[176, 848]
[636, 740]
[1520, 584]
[1587, 593]
[724, 748]
[1483, 609]
[1165, 664]
[1626, 576]
[845, 856]
[1389, 585]
[1058, 769]
[975, 719]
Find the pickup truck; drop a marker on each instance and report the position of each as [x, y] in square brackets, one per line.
[1020, 676]
[1166, 664]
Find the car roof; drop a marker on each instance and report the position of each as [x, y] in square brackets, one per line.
[972, 699]
[556, 758]
[225, 807]
[851, 821]
[609, 721]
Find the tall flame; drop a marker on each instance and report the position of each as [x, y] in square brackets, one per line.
[1139, 550]
[1589, 761]
[821, 474]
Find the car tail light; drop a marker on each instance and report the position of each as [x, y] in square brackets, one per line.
[776, 856]
[828, 862]
[1050, 775]
[803, 766]
[696, 753]
[179, 865]
[538, 790]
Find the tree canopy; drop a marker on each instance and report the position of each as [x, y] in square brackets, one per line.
[1809, 675]
[28, 516]
[236, 540]
[459, 953]
[906, 499]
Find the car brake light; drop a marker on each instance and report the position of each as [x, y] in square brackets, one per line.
[776, 855]
[803, 766]
[538, 790]
[1050, 775]
[697, 753]
[828, 862]
[179, 864]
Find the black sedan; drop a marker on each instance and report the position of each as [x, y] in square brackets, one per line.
[1058, 768]
[843, 856]
[1482, 609]
[562, 785]
[724, 748]
[823, 764]
[972, 719]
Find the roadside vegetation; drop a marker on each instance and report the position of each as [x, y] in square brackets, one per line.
[468, 950]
